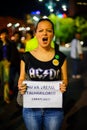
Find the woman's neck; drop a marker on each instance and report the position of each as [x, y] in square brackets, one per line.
[44, 49]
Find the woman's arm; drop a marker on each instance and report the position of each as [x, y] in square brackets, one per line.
[64, 77]
[21, 86]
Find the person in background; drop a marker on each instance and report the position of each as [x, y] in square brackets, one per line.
[46, 59]
[17, 39]
[5, 56]
[76, 54]
[18, 49]
[28, 35]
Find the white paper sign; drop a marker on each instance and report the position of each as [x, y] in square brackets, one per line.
[42, 94]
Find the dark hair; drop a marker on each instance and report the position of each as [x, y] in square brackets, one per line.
[19, 33]
[45, 19]
[31, 33]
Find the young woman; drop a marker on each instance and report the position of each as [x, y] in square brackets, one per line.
[35, 63]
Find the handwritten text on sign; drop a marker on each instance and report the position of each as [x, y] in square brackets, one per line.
[42, 94]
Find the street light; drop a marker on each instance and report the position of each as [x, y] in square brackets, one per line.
[50, 5]
[40, 0]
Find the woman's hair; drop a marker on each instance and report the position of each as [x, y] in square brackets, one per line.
[45, 19]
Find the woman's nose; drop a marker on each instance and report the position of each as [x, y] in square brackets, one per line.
[45, 32]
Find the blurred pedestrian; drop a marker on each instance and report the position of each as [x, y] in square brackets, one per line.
[40, 64]
[28, 35]
[5, 55]
[18, 49]
[9, 65]
[17, 39]
[76, 54]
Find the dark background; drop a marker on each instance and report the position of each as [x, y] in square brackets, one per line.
[18, 8]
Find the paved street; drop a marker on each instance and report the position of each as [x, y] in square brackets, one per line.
[75, 104]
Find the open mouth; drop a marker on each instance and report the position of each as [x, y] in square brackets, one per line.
[44, 39]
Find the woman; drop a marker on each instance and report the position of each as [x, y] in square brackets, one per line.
[43, 58]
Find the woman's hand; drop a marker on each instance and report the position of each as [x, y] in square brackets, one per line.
[22, 87]
[63, 87]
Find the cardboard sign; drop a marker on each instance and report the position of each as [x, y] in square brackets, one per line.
[42, 94]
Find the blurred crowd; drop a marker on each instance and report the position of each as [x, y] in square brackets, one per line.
[11, 50]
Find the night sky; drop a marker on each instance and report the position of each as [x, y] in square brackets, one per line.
[18, 8]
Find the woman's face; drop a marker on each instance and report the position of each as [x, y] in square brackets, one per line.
[44, 33]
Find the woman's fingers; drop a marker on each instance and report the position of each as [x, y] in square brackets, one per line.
[22, 88]
[63, 87]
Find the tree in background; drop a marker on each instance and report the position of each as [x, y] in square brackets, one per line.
[81, 25]
[66, 27]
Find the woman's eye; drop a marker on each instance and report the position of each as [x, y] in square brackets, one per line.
[40, 30]
[49, 30]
